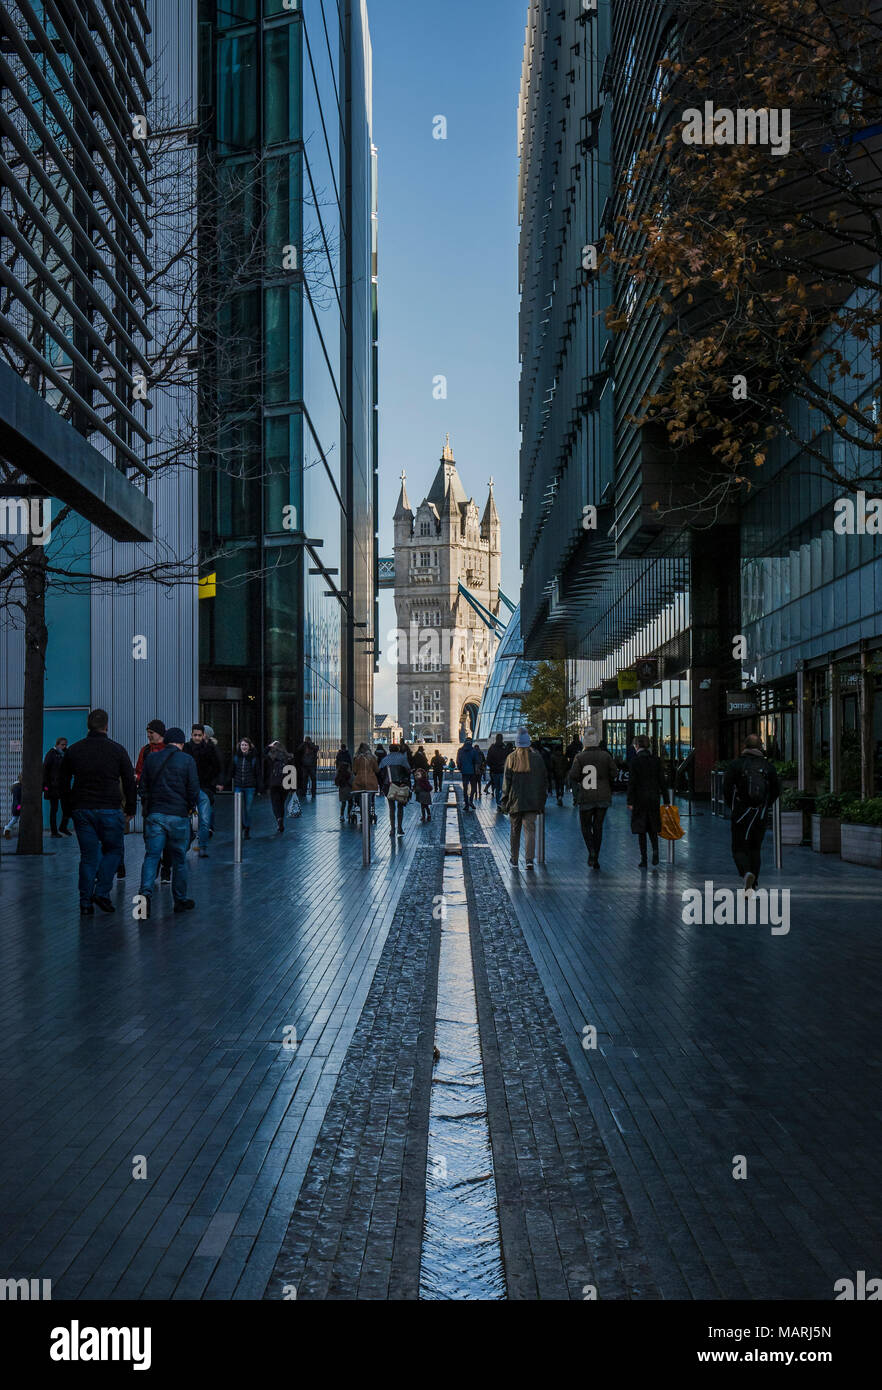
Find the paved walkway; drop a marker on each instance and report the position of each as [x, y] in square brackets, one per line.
[614, 1165]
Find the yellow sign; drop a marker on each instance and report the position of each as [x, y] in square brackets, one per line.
[628, 683]
[208, 586]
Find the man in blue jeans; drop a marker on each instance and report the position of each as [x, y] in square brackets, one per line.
[96, 783]
[169, 791]
[468, 760]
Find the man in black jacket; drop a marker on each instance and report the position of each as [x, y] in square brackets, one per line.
[750, 788]
[646, 789]
[51, 793]
[95, 775]
[208, 770]
[169, 791]
[496, 756]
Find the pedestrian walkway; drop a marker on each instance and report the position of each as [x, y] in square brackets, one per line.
[718, 1041]
[268, 1056]
[167, 1039]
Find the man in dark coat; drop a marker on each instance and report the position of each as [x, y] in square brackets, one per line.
[496, 756]
[437, 766]
[95, 774]
[646, 790]
[169, 791]
[51, 788]
[208, 769]
[751, 788]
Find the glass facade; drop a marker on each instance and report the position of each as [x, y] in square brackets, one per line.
[290, 394]
[508, 681]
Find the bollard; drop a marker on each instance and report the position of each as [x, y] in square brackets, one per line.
[672, 845]
[237, 827]
[540, 838]
[366, 829]
[776, 834]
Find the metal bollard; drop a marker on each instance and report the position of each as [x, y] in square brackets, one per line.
[540, 838]
[366, 829]
[237, 827]
[776, 834]
[672, 845]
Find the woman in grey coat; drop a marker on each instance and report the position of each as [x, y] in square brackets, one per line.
[592, 776]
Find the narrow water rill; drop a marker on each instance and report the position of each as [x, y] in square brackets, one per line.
[461, 1251]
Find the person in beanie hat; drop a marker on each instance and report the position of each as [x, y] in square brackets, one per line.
[169, 791]
[524, 789]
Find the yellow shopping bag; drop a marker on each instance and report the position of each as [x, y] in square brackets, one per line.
[671, 829]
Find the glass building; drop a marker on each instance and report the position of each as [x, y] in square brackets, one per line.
[288, 374]
[507, 682]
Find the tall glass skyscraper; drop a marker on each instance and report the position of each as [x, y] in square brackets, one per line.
[288, 370]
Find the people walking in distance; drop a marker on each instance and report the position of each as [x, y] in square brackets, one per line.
[423, 792]
[169, 791]
[208, 770]
[280, 772]
[15, 801]
[496, 756]
[419, 759]
[343, 756]
[155, 744]
[381, 752]
[524, 789]
[646, 791]
[91, 774]
[246, 777]
[573, 747]
[396, 780]
[467, 760]
[751, 788]
[212, 739]
[307, 762]
[51, 772]
[559, 770]
[437, 766]
[545, 753]
[592, 777]
[406, 749]
[480, 765]
[365, 777]
[343, 783]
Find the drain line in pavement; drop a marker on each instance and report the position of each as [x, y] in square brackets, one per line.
[461, 1250]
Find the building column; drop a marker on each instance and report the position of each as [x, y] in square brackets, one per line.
[803, 726]
[868, 695]
[835, 726]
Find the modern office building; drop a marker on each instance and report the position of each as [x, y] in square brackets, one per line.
[288, 379]
[646, 607]
[82, 237]
[508, 681]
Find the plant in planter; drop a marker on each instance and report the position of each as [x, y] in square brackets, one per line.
[787, 771]
[827, 822]
[794, 808]
[862, 832]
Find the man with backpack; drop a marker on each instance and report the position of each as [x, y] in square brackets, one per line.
[169, 790]
[750, 788]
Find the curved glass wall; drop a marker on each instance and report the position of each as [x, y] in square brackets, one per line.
[508, 681]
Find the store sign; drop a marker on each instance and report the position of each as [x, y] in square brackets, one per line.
[739, 705]
[609, 692]
[628, 683]
[647, 670]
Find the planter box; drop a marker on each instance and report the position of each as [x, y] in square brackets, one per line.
[792, 827]
[826, 838]
[862, 844]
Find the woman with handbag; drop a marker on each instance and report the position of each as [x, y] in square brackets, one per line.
[396, 776]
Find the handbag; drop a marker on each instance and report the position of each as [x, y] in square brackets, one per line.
[292, 805]
[670, 828]
[399, 793]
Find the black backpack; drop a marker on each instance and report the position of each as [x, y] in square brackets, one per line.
[754, 782]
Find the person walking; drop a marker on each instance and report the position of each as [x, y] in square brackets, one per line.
[51, 772]
[343, 756]
[423, 794]
[15, 798]
[545, 753]
[559, 769]
[751, 788]
[246, 777]
[467, 762]
[211, 738]
[480, 764]
[343, 783]
[592, 778]
[208, 769]
[155, 744]
[524, 789]
[496, 756]
[307, 760]
[419, 759]
[93, 774]
[573, 747]
[396, 768]
[646, 791]
[365, 777]
[280, 763]
[169, 791]
[437, 766]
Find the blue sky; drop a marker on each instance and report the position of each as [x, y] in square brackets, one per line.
[448, 291]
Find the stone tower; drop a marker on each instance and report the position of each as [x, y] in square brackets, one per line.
[443, 647]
